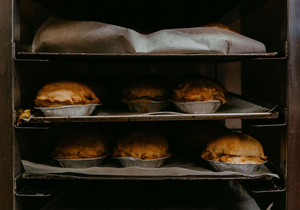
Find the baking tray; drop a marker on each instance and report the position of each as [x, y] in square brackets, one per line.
[27, 175]
[36, 188]
[23, 53]
[112, 57]
[236, 109]
[174, 168]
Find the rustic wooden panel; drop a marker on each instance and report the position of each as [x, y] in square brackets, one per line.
[6, 132]
[293, 100]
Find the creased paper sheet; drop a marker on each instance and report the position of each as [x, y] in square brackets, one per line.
[114, 168]
[235, 106]
[95, 37]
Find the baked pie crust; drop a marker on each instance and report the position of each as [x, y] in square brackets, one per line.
[198, 89]
[147, 89]
[80, 145]
[63, 93]
[142, 145]
[235, 148]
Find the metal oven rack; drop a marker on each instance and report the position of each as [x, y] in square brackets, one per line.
[17, 58]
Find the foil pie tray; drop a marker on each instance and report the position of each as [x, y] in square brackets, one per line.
[132, 161]
[150, 106]
[80, 163]
[244, 168]
[199, 107]
[72, 110]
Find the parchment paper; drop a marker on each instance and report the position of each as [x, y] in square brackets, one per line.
[172, 167]
[235, 106]
[95, 37]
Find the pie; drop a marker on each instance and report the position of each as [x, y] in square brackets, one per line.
[63, 93]
[80, 145]
[142, 145]
[198, 88]
[149, 88]
[235, 148]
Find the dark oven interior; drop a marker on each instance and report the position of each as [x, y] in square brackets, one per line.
[259, 79]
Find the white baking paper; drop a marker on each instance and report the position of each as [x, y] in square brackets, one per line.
[95, 37]
[234, 107]
[172, 167]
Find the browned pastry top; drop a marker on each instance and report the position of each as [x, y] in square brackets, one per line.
[220, 25]
[145, 89]
[142, 145]
[234, 148]
[64, 93]
[198, 89]
[80, 145]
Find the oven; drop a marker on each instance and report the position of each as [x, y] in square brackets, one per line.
[269, 81]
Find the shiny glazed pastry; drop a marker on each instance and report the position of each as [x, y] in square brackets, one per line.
[220, 25]
[80, 145]
[150, 88]
[235, 148]
[63, 93]
[193, 89]
[142, 145]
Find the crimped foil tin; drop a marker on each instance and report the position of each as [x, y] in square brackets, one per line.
[199, 107]
[132, 161]
[72, 110]
[244, 168]
[147, 106]
[80, 163]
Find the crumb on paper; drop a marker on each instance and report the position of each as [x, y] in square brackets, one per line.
[22, 114]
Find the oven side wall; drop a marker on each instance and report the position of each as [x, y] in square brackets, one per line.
[293, 104]
[6, 107]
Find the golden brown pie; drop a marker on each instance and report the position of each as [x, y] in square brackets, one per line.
[80, 145]
[235, 148]
[150, 88]
[142, 145]
[199, 88]
[220, 25]
[64, 93]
